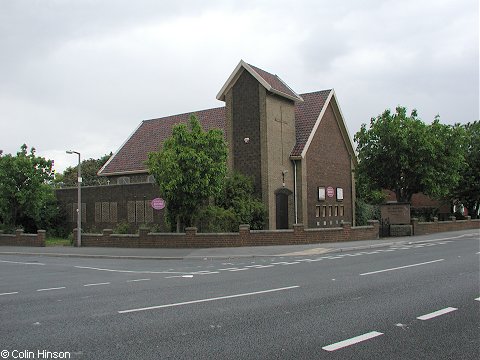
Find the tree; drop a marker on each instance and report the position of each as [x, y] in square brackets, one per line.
[90, 168]
[237, 196]
[468, 189]
[403, 154]
[26, 197]
[189, 169]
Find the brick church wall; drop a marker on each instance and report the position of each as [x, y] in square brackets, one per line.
[109, 205]
[328, 163]
[246, 124]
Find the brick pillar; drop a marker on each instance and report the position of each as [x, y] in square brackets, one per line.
[299, 234]
[347, 233]
[41, 236]
[376, 227]
[244, 233]
[190, 234]
[18, 234]
[107, 232]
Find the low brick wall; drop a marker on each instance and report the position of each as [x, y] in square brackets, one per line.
[22, 239]
[245, 237]
[424, 228]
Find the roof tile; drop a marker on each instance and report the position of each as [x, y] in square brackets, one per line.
[151, 134]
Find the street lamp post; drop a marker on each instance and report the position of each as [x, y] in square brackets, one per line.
[79, 206]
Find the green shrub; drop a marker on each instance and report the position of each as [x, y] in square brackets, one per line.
[215, 219]
[122, 228]
[365, 212]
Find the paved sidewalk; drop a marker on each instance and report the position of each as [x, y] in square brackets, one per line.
[229, 252]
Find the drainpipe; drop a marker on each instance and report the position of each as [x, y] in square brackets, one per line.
[295, 190]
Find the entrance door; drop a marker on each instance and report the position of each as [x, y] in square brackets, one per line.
[282, 210]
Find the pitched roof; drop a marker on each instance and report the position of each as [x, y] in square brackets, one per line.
[148, 137]
[131, 156]
[306, 115]
[271, 82]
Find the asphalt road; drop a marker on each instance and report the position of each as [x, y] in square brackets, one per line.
[418, 301]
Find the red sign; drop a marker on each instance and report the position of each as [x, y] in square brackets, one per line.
[330, 191]
[158, 203]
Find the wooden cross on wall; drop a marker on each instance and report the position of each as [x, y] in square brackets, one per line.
[281, 128]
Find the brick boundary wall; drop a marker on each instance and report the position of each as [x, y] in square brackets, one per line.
[245, 237]
[22, 239]
[425, 228]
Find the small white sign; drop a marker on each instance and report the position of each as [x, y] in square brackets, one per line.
[339, 194]
[321, 193]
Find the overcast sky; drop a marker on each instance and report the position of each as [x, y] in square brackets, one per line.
[82, 74]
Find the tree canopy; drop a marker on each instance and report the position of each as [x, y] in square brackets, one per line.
[189, 169]
[403, 154]
[468, 189]
[90, 168]
[26, 194]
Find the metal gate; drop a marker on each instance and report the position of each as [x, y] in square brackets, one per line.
[385, 227]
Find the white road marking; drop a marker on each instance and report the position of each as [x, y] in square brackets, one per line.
[9, 293]
[478, 299]
[136, 280]
[401, 267]
[209, 299]
[21, 263]
[130, 271]
[285, 263]
[97, 284]
[241, 269]
[436, 313]
[352, 341]
[227, 269]
[55, 288]
[179, 276]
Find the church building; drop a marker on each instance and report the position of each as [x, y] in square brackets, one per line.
[296, 147]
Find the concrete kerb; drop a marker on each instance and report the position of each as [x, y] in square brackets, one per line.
[235, 256]
[95, 256]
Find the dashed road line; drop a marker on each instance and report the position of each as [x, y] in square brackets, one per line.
[54, 288]
[9, 293]
[352, 341]
[97, 284]
[437, 313]
[478, 299]
[21, 263]
[138, 280]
